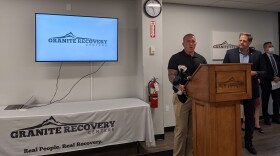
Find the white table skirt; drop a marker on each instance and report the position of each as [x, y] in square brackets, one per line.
[63, 127]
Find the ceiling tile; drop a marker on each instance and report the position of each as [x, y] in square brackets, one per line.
[235, 4]
[275, 7]
[256, 1]
[263, 5]
[192, 2]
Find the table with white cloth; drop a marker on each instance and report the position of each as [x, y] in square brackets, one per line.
[63, 127]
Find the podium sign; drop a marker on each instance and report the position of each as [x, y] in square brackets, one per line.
[231, 82]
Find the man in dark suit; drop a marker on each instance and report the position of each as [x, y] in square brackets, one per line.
[272, 76]
[244, 54]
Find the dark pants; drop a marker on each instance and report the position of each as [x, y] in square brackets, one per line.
[249, 112]
[265, 100]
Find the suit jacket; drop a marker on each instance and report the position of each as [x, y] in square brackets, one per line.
[232, 56]
[266, 80]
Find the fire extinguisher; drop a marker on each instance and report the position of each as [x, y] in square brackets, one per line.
[153, 89]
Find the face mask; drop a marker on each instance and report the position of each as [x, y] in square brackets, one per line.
[271, 50]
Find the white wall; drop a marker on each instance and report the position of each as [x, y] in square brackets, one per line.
[179, 20]
[21, 77]
[152, 64]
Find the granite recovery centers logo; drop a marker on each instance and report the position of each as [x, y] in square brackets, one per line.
[70, 38]
[225, 45]
[231, 83]
[53, 127]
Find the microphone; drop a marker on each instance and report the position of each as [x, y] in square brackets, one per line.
[181, 79]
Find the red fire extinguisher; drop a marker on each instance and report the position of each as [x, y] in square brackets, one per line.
[153, 89]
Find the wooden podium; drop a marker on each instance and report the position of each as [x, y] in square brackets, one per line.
[216, 90]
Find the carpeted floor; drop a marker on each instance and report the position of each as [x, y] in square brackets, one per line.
[162, 153]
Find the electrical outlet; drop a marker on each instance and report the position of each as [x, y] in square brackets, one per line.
[167, 108]
[68, 7]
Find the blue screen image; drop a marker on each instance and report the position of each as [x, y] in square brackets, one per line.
[74, 38]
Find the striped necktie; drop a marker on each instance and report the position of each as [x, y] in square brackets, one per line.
[273, 63]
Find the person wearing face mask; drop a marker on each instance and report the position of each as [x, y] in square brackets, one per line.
[272, 76]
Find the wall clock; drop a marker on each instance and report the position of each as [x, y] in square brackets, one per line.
[152, 8]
